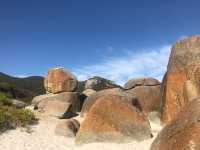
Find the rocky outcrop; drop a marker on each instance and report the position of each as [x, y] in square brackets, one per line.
[59, 80]
[88, 103]
[183, 65]
[141, 82]
[147, 96]
[97, 84]
[184, 132]
[58, 105]
[112, 118]
[67, 128]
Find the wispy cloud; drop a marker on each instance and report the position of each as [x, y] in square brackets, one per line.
[21, 76]
[151, 63]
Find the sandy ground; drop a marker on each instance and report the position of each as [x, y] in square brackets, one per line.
[42, 137]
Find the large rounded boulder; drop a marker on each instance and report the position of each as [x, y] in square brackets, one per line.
[184, 65]
[141, 82]
[59, 80]
[148, 97]
[112, 118]
[62, 105]
[182, 133]
[88, 103]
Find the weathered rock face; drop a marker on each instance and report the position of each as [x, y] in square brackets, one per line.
[183, 65]
[98, 83]
[58, 105]
[67, 128]
[113, 119]
[59, 80]
[93, 98]
[89, 92]
[141, 82]
[148, 97]
[190, 90]
[183, 133]
[39, 98]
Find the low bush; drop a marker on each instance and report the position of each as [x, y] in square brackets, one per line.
[11, 118]
[4, 99]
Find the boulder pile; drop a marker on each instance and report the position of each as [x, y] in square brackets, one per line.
[111, 113]
[61, 99]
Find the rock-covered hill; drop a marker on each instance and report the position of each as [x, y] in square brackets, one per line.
[21, 88]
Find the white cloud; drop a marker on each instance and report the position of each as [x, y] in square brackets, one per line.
[21, 76]
[151, 63]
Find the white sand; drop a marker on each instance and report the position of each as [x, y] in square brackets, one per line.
[43, 138]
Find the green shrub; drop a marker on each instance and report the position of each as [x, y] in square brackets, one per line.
[2, 96]
[4, 99]
[11, 118]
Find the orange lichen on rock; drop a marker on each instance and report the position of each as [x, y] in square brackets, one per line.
[183, 65]
[184, 132]
[59, 80]
[113, 118]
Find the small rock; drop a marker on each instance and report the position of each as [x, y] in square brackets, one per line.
[18, 104]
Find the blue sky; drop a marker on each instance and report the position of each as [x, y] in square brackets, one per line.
[117, 39]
